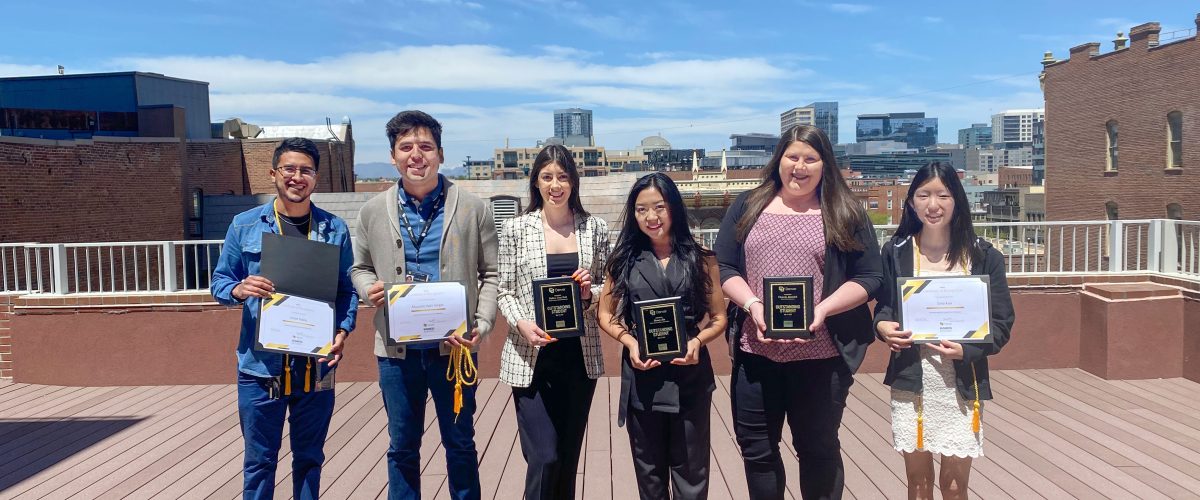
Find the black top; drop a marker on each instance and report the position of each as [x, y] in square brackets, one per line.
[904, 368]
[852, 330]
[295, 226]
[561, 264]
[669, 387]
[563, 353]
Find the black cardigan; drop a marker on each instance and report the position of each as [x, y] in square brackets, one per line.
[851, 331]
[904, 369]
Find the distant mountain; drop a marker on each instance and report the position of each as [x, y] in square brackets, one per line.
[383, 170]
[376, 170]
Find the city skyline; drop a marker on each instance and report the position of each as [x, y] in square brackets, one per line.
[698, 76]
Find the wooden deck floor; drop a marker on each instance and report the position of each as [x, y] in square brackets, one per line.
[1051, 434]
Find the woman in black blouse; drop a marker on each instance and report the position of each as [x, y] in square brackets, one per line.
[667, 405]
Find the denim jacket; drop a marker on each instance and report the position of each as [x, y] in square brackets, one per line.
[240, 258]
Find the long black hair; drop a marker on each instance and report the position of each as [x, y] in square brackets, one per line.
[555, 153]
[962, 233]
[841, 212]
[684, 249]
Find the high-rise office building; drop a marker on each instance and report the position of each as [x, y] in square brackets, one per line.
[754, 142]
[913, 129]
[574, 126]
[1014, 128]
[979, 134]
[826, 118]
[796, 116]
[823, 114]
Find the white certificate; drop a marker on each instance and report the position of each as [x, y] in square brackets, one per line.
[954, 308]
[426, 312]
[295, 325]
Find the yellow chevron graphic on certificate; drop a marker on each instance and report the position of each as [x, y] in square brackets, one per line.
[295, 325]
[425, 312]
[954, 308]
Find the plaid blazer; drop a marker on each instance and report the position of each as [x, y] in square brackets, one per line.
[522, 259]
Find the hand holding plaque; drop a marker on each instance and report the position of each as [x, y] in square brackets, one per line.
[558, 307]
[659, 328]
[788, 307]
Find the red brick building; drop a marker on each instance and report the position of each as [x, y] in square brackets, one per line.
[1123, 129]
[1015, 177]
[136, 189]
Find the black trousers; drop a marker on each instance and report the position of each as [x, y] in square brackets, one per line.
[811, 395]
[552, 416]
[671, 450]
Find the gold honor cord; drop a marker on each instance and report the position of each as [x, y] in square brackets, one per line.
[287, 371]
[975, 416]
[461, 371]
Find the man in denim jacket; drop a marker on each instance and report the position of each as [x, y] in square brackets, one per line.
[271, 385]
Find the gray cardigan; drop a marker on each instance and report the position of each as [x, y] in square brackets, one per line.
[467, 255]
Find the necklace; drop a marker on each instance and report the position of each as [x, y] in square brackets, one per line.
[287, 219]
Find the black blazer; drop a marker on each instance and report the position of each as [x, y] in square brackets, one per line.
[852, 330]
[904, 369]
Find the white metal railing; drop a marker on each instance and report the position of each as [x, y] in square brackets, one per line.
[110, 267]
[1160, 246]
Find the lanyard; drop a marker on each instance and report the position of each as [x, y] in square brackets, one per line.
[279, 222]
[412, 236]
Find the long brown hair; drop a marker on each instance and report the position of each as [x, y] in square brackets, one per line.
[555, 153]
[840, 211]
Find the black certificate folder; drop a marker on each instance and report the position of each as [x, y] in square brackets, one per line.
[299, 266]
[788, 307]
[659, 328]
[558, 307]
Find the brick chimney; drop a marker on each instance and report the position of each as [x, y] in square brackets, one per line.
[1144, 35]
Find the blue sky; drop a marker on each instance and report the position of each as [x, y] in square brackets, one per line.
[490, 70]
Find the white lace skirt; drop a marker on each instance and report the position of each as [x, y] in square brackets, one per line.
[947, 415]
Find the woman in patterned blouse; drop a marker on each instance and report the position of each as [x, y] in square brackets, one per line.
[553, 379]
[803, 220]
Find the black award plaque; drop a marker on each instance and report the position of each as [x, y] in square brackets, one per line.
[558, 307]
[659, 329]
[788, 307]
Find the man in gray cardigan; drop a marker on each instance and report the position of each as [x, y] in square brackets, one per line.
[425, 229]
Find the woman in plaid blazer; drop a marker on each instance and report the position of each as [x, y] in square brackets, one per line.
[552, 379]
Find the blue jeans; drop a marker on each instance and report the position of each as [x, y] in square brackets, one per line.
[405, 384]
[262, 418]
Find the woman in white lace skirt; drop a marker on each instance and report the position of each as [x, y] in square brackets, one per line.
[938, 389]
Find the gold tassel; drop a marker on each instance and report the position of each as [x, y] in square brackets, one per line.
[975, 412]
[287, 375]
[920, 424]
[308, 376]
[461, 371]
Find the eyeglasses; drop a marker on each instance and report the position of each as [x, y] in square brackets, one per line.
[291, 171]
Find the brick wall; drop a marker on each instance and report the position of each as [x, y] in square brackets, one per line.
[216, 168]
[337, 163]
[103, 190]
[6, 312]
[1136, 86]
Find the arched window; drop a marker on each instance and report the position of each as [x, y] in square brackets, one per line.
[1111, 128]
[1175, 139]
[1110, 210]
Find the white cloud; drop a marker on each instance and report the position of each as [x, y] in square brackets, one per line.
[932, 19]
[886, 49]
[851, 8]
[9, 70]
[482, 68]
